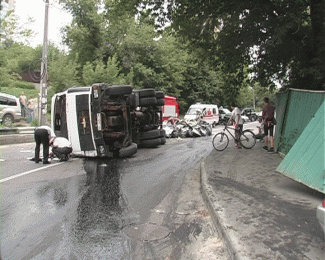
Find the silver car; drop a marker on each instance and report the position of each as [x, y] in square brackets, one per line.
[10, 110]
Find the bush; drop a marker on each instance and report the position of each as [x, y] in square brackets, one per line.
[17, 91]
[24, 85]
[34, 122]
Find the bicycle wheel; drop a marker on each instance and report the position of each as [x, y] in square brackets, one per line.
[247, 139]
[220, 141]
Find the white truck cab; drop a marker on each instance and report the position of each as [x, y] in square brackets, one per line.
[207, 112]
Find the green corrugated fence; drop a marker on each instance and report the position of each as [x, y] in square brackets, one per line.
[294, 110]
[305, 162]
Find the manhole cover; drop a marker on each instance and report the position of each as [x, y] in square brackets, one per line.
[146, 232]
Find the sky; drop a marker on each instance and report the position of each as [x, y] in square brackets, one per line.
[36, 9]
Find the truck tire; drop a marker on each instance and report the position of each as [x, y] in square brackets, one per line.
[152, 134]
[162, 132]
[118, 90]
[160, 102]
[149, 92]
[160, 94]
[163, 140]
[147, 101]
[151, 143]
[128, 151]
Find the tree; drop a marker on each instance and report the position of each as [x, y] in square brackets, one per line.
[62, 70]
[86, 33]
[282, 40]
[145, 57]
[285, 36]
[108, 73]
[11, 31]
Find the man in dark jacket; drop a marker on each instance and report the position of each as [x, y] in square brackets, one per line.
[269, 122]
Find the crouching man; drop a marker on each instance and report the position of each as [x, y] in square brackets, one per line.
[61, 148]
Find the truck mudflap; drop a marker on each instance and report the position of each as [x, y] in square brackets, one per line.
[128, 151]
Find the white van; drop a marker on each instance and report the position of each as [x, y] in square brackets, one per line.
[207, 112]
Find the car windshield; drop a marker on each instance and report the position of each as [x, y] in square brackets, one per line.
[194, 111]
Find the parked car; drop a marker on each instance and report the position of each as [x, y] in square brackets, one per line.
[250, 113]
[320, 214]
[10, 110]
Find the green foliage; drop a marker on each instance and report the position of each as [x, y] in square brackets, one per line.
[85, 36]
[34, 122]
[24, 85]
[11, 30]
[281, 40]
[250, 95]
[17, 91]
[62, 70]
[108, 73]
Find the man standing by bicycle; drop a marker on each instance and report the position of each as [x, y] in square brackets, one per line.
[237, 121]
[269, 123]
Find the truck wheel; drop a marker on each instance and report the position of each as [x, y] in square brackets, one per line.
[147, 101]
[151, 143]
[7, 120]
[149, 92]
[160, 94]
[163, 140]
[118, 90]
[160, 102]
[128, 151]
[162, 132]
[152, 134]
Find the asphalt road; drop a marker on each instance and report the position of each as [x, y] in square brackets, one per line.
[145, 207]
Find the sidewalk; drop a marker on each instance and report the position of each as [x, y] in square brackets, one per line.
[261, 213]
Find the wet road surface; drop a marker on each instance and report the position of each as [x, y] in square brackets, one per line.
[145, 207]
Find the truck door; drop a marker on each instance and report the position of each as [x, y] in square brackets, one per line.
[83, 119]
[60, 116]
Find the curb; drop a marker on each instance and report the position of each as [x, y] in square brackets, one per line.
[208, 194]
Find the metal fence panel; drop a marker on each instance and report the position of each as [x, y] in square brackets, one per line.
[305, 161]
[295, 108]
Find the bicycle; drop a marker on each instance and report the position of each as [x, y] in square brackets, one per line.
[221, 140]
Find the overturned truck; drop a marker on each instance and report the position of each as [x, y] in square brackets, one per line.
[108, 120]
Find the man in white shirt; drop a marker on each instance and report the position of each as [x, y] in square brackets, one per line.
[237, 122]
[61, 147]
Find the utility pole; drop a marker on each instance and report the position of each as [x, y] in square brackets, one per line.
[44, 75]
